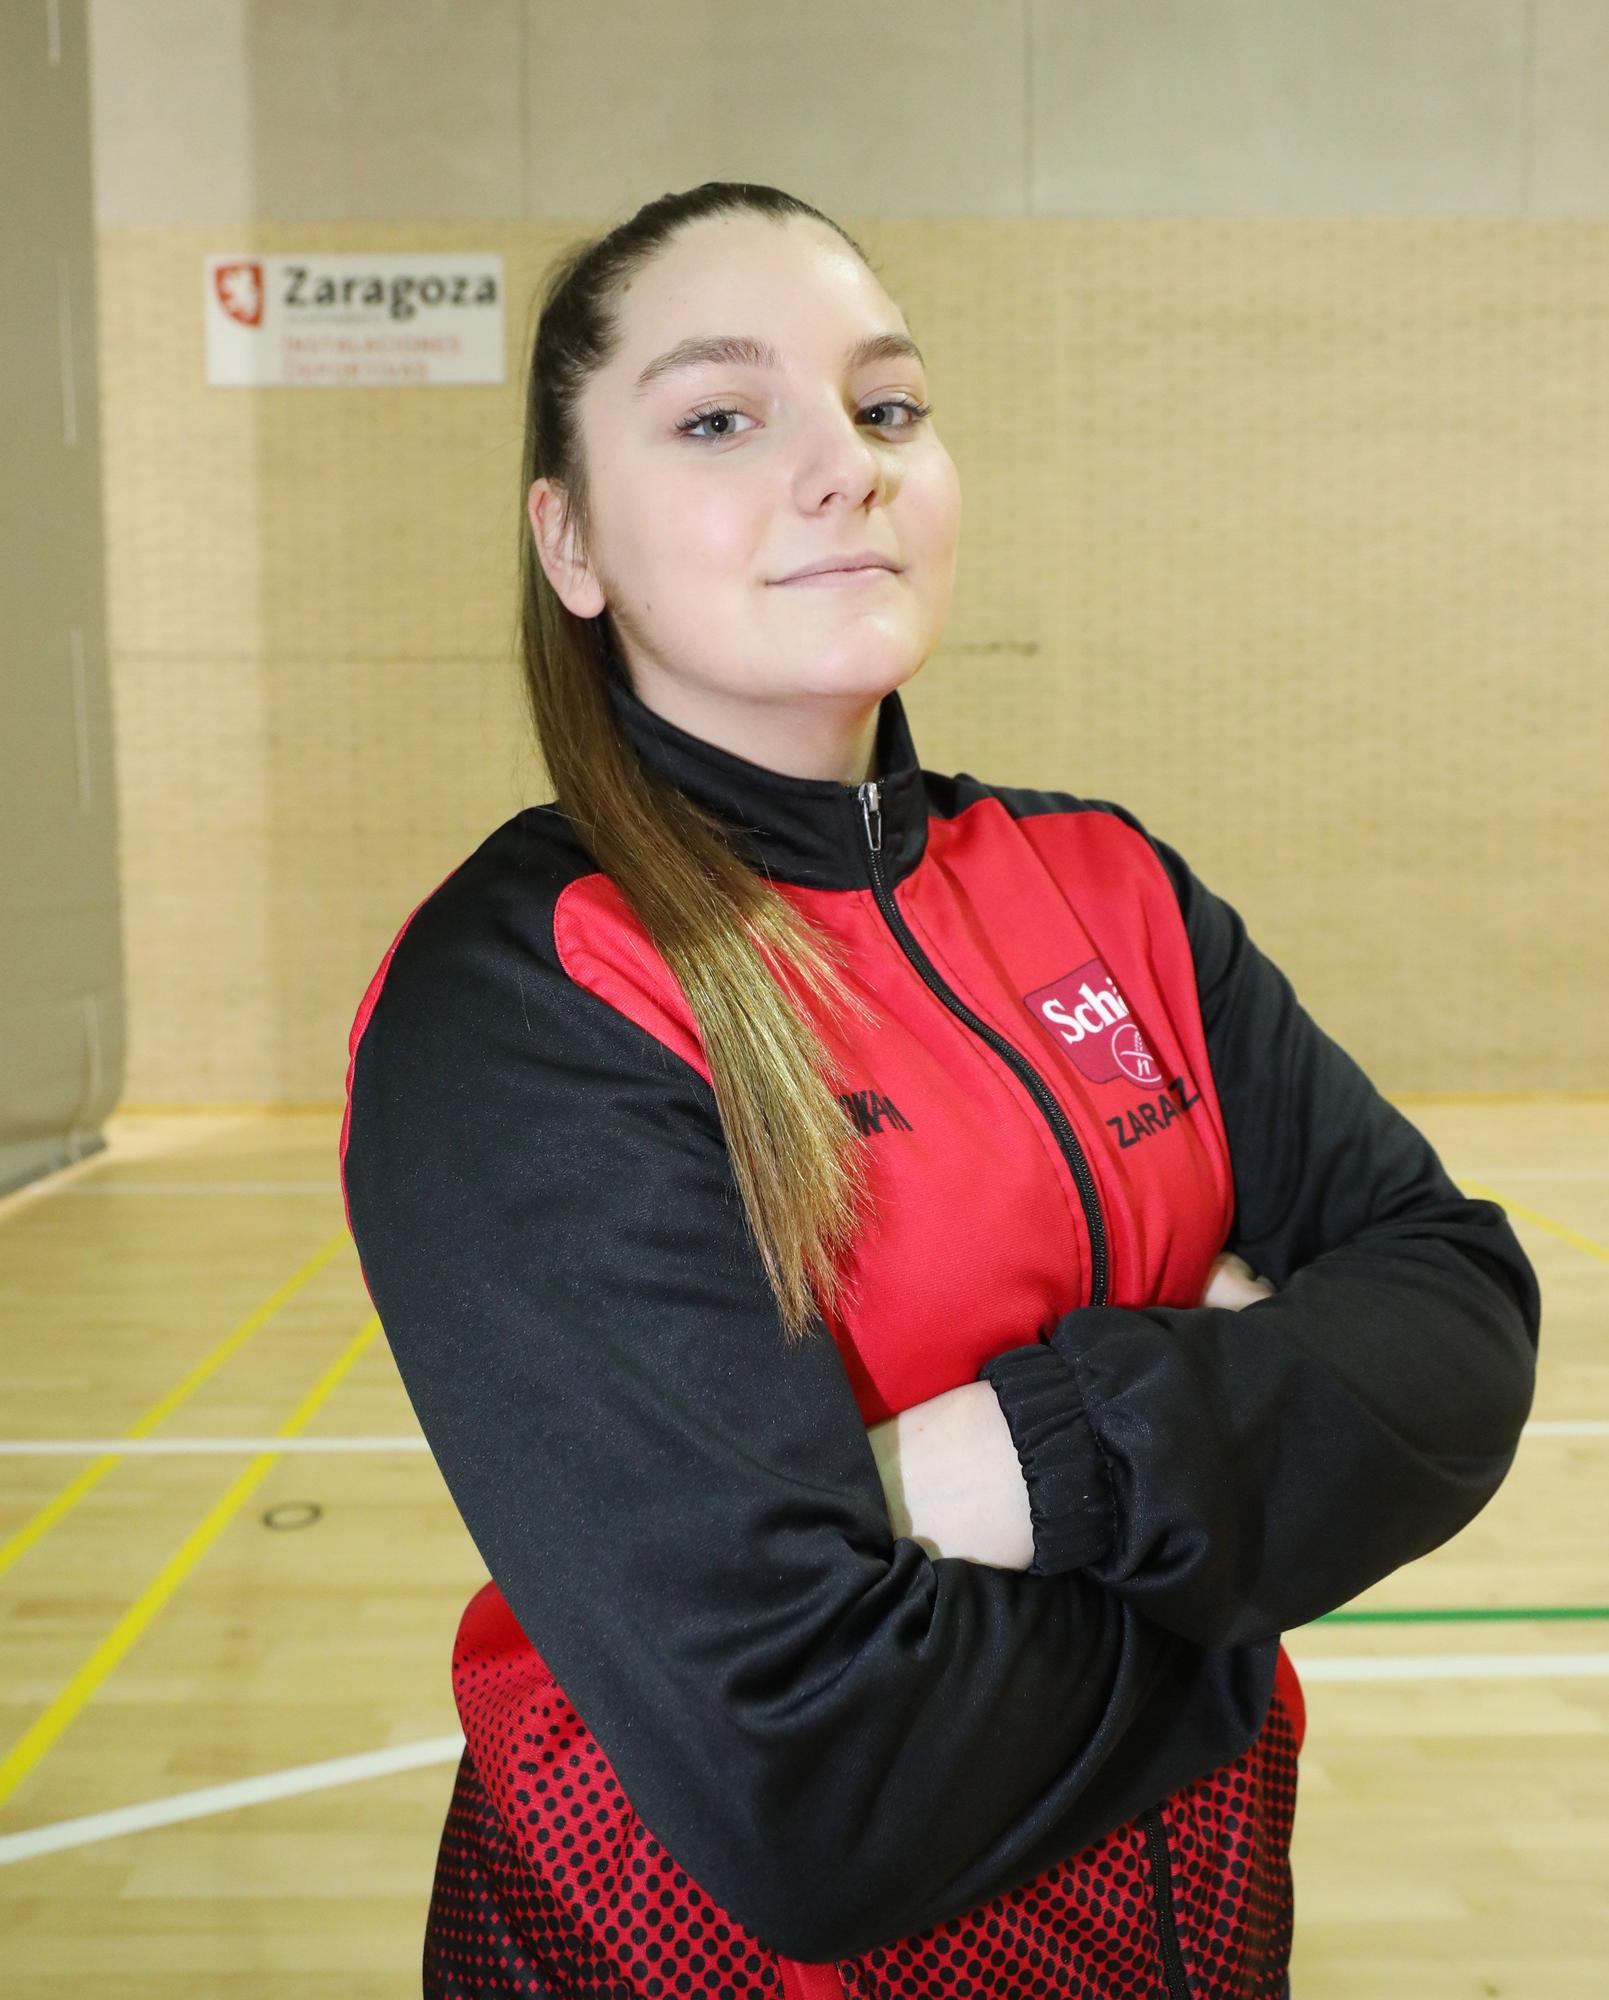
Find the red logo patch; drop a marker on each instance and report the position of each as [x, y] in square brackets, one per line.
[1088, 1019]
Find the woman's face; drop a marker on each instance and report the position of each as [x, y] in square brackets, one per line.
[698, 520]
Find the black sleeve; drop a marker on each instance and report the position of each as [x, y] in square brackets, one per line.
[842, 1740]
[1237, 1474]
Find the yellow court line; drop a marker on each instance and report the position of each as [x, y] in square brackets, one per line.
[32, 1531]
[1587, 1243]
[19, 1761]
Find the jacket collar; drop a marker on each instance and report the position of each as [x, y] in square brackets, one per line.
[809, 831]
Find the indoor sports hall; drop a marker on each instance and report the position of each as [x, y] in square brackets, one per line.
[1268, 341]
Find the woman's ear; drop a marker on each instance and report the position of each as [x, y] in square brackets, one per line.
[554, 533]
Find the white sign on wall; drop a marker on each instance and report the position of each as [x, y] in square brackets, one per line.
[408, 320]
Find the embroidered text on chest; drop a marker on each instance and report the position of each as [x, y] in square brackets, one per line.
[1154, 1115]
[871, 1111]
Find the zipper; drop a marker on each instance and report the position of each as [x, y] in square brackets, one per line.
[872, 819]
[871, 814]
[1162, 1874]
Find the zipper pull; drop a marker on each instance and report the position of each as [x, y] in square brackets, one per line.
[871, 812]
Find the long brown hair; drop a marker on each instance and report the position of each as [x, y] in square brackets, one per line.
[732, 941]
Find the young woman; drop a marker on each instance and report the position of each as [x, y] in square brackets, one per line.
[811, 1199]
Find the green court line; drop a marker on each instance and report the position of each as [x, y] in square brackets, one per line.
[1470, 1615]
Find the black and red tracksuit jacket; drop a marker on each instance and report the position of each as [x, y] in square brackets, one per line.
[725, 1733]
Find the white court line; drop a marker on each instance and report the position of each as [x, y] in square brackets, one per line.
[228, 1798]
[1449, 1666]
[92, 1186]
[36, 1840]
[178, 1447]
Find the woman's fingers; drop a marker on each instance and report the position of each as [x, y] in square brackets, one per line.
[1233, 1283]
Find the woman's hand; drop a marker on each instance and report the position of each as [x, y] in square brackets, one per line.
[1233, 1283]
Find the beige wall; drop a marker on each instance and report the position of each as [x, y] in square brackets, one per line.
[1268, 341]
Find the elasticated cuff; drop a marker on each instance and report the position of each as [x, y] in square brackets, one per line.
[1069, 1489]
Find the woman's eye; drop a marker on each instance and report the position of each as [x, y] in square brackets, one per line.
[917, 410]
[689, 425]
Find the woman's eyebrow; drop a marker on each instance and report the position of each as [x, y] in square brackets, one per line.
[742, 350]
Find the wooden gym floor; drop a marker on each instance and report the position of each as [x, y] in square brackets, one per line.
[230, 1575]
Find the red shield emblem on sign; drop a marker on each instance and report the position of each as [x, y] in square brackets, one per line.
[239, 290]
